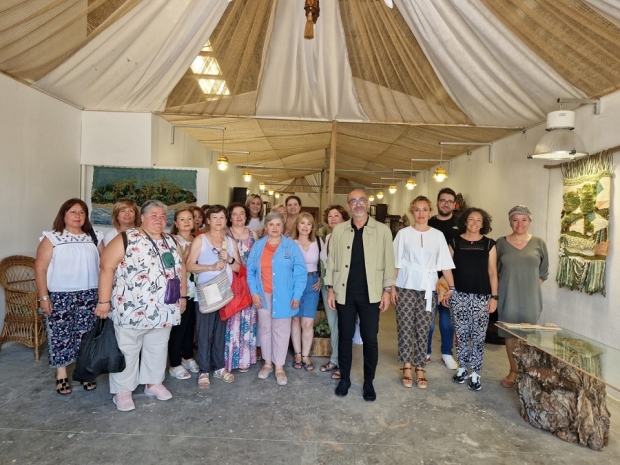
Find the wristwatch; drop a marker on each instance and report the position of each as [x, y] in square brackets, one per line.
[329, 287]
[496, 297]
[186, 297]
[387, 289]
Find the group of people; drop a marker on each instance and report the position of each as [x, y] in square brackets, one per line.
[130, 274]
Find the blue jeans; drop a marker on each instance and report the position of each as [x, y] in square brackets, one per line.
[446, 330]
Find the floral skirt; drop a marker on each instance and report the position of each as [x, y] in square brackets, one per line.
[73, 313]
[241, 339]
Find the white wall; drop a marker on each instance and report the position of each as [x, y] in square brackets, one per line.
[116, 138]
[512, 179]
[39, 165]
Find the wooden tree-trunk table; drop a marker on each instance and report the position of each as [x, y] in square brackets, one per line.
[562, 386]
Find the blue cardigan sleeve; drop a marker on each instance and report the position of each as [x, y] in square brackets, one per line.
[253, 269]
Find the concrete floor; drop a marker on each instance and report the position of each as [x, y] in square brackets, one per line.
[258, 422]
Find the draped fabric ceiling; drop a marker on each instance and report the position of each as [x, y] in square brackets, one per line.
[396, 80]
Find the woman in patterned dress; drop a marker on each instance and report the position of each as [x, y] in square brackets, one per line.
[420, 252]
[136, 267]
[241, 327]
[66, 275]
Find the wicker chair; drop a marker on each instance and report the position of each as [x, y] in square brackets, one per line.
[22, 322]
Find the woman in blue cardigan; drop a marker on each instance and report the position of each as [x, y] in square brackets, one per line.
[277, 277]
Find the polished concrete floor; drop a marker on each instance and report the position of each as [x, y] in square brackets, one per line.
[257, 422]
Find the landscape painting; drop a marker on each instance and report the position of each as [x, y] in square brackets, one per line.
[175, 188]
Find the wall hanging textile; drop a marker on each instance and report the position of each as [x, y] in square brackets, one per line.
[584, 238]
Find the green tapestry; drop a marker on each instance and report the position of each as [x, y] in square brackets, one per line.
[584, 238]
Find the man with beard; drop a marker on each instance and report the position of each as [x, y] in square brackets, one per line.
[445, 221]
[359, 279]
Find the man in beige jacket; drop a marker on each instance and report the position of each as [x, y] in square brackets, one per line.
[359, 279]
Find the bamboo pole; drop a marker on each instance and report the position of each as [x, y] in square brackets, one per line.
[332, 161]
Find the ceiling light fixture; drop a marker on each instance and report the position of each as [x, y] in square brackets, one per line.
[440, 173]
[277, 195]
[270, 191]
[392, 188]
[247, 174]
[371, 198]
[222, 163]
[410, 184]
[560, 142]
[261, 186]
[380, 194]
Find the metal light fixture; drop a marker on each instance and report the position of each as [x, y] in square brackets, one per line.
[277, 195]
[392, 189]
[380, 194]
[270, 191]
[371, 198]
[440, 173]
[247, 176]
[560, 142]
[222, 163]
[261, 186]
[410, 184]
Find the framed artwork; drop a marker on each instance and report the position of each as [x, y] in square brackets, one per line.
[175, 188]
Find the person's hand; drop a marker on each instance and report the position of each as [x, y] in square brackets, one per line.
[224, 255]
[257, 301]
[491, 306]
[182, 305]
[294, 304]
[317, 285]
[445, 301]
[102, 310]
[219, 266]
[46, 306]
[331, 299]
[394, 296]
[385, 301]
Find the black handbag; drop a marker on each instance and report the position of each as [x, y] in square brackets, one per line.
[99, 353]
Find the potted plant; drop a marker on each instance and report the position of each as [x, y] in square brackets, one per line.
[321, 344]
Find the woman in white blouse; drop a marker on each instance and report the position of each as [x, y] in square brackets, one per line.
[66, 275]
[420, 252]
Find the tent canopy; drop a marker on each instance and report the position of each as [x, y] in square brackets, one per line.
[398, 80]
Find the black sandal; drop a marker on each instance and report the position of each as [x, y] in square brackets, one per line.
[329, 367]
[89, 386]
[63, 387]
[297, 365]
[307, 366]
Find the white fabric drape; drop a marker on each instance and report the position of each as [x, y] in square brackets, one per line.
[135, 64]
[493, 77]
[308, 78]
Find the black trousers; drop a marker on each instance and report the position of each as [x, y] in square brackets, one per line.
[211, 334]
[369, 329]
[181, 342]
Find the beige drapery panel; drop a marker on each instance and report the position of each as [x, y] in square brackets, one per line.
[237, 47]
[570, 36]
[38, 35]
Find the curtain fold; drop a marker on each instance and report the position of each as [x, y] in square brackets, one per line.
[135, 63]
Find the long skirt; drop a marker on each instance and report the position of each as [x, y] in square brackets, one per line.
[241, 339]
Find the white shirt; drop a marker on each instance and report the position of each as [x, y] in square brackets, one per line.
[418, 256]
[75, 262]
[109, 236]
[256, 225]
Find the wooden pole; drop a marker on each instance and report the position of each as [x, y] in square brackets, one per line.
[332, 161]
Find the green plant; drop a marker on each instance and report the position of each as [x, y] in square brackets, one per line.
[322, 329]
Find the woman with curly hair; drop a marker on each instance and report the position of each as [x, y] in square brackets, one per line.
[333, 215]
[475, 279]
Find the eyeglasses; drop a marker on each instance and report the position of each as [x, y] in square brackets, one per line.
[354, 202]
[446, 202]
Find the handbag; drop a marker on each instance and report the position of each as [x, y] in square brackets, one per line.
[99, 353]
[173, 291]
[241, 291]
[214, 294]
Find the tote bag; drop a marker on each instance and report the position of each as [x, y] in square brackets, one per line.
[241, 291]
[214, 294]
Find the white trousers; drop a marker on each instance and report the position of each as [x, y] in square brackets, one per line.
[146, 354]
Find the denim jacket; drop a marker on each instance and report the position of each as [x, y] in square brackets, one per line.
[289, 275]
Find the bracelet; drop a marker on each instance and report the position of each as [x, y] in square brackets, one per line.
[233, 261]
[452, 288]
[103, 303]
[45, 297]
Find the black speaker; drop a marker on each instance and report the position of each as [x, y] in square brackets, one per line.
[381, 212]
[239, 194]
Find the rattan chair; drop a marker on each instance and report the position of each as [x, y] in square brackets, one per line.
[22, 322]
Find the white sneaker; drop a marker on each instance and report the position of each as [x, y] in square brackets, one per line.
[449, 362]
[428, 358]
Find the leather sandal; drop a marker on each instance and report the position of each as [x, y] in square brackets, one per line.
[508, 383]
[63, 387]
[329, 367]
[204, 381]
[308, 366]
[421, 381]
[406, 380]
[89, 386]
[297, 364]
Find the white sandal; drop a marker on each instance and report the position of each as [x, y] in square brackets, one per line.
[224, 375]
[203, 381]
[190, 365]
[179, 372]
